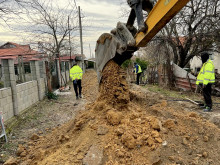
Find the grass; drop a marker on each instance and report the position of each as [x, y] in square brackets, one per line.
[171, 93]
[30, 116]
[5, 149]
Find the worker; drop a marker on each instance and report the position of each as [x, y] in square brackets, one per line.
[137, 71]
[206, 78]
[76, 76]
[136, 12]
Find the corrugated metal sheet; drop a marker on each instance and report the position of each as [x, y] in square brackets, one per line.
[185, 83]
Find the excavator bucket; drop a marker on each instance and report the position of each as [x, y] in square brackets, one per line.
[118, 45]
[121, 43]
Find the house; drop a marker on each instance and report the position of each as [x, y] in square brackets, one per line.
[13, 49]
[22, 55]
[196, 63]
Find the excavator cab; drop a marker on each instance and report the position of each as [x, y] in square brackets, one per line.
[124, 40]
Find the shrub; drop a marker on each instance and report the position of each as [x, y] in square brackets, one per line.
[51, 96]
[126, 64]
[143, 64]
[1, 84]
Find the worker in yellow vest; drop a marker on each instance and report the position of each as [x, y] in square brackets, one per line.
[76, 76]
[206, 78]
[137, 71]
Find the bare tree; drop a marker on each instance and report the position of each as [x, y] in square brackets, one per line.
[50, 24]
[193, 30]
[9, 10]
[50, 27]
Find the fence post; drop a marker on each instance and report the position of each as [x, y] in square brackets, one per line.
[35, 73]
[9, 79]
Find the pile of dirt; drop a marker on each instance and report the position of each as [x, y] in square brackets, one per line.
[123, 127]
[113, 87]
[90, 85]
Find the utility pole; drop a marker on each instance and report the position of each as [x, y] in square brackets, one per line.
[90, 51]
[81, 41]
[69, 41]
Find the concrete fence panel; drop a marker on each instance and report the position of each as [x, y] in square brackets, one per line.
[6, 104]
[27, 94]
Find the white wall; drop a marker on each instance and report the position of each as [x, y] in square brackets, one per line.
[196, 62]
[216, 61]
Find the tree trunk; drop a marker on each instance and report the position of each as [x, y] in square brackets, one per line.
[48, 77]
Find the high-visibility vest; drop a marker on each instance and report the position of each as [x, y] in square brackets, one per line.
[76, 73]
[206, 74]
[139, 69]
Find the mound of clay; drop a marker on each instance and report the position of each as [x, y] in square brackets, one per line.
[114, 88]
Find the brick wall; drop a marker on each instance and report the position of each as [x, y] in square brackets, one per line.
[27, 94]
[6, 105]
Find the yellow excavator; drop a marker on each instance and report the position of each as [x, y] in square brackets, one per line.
[125, 39]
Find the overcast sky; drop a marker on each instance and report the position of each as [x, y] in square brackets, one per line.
[99, 16]
[102, 16]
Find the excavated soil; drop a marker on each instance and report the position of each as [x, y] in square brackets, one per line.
[126, 124]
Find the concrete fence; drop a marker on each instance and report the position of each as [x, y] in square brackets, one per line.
[15, 98]
[6, 103]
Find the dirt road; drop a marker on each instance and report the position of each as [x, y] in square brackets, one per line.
[123, 124]
[43, 117]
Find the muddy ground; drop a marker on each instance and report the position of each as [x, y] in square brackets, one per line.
[125, 124]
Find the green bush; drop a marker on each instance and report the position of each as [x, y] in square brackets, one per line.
[1, 84]
[143, 64]
[126, 64]
[51, 96]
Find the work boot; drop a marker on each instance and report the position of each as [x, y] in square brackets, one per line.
[207, 109]
[143, 28]
[203, 106]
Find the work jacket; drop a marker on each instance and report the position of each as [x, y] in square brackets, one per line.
[137, 69]
[76, 73]
[206, 74]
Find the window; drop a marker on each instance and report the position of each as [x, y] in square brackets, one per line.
[27, 68]
[62, 66]
[16, 69]
[67, 66]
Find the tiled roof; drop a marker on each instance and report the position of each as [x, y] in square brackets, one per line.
[67, 57]
[16, 49]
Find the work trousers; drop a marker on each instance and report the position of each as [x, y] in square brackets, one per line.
[138, 78]
[207, 95]
[77, 87]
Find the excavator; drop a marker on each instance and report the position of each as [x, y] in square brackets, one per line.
[120, 44]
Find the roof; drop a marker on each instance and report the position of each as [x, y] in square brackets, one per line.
[67, 57]
[182, 40]
[73, 57]
[13, 49]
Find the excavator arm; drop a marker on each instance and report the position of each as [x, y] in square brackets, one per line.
[121, 43]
